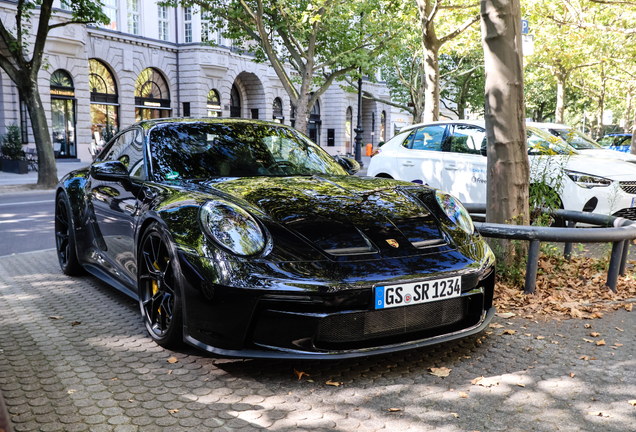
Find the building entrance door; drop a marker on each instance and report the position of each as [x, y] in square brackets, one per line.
[63, 119]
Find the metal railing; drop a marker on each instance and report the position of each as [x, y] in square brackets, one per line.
[615, 230]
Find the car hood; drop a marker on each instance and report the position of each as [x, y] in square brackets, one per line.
[339, 215]
[609, 154]
[610, 168]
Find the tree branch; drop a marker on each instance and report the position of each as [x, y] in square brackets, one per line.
[469, 22]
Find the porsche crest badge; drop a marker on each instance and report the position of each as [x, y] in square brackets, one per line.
[393, 243]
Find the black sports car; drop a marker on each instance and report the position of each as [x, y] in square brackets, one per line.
[246, 239]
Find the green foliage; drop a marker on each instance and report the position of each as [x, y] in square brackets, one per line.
[11, 143]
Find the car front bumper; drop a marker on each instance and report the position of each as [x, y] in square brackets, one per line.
[329, 317]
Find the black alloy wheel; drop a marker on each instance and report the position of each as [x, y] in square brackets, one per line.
[159, 288]
[65, 237]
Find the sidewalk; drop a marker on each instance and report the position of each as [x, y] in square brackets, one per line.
[9, 179]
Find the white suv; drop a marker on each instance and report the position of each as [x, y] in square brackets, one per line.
[450, 156]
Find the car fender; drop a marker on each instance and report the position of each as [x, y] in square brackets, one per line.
[73, 184]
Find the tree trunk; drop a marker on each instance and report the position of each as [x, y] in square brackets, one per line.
[628, 111]
[508, 166]
[560, 104]
[302, 113]
[633, 148]
[47, 169]
[431, 88]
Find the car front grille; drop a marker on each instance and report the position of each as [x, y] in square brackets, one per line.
[627, 213]
[359, 326]
[628, 186]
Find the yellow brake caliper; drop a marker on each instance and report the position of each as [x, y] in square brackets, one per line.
[155, 285]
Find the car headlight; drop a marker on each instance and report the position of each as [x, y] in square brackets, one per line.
[455, 211]
[232, 227]
[588, 181]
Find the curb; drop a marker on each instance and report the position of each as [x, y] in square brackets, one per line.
[5, 423]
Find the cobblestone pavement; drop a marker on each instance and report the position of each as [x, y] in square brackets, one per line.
[105, 373]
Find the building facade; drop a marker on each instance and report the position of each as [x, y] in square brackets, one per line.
[152, 61]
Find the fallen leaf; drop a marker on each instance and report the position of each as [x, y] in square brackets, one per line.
[56, 317]
[508, 331]
[599, 414]
[310, 380]
[71, 391]
[172, 360]
[440, 372]
[554, 342]
[586, 358]
[455, 414]
[484, 382]
[594, 334]
[521, 385]
[588, 340]
[495, 325]
[130, 400]
[528, 334]
[114, 379]
[540, 337]
[74, 323]
[529, 317]
[620, 329]
[173, 411]
[601, 342]
[332, 383]
[628, 307]
[618, 344]
[572, 374]
[560, 335]
[587, 326]
[395, 409]
[592, 358]
[632, 402]
[300, 374]
[505, 315]
[463, 394]
[170, 372]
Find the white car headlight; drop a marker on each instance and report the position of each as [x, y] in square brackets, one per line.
[455, 211]
[588, 181]
[232, 227]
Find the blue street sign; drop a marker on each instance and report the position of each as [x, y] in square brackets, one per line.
[525, 26]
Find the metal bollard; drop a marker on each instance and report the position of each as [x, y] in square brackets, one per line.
[624, 257]
[567, 249]
[531, 268]
[615, 264]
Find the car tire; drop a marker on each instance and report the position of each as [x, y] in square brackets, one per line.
[65, 244]
[158, 279]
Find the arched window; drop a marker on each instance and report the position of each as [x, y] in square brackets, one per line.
[383, 126]
[313, 127]
[63, 114]
[349, 131]
[214, 104]
[152, 96]
[277, 107]
[235, 102]
[104, 106]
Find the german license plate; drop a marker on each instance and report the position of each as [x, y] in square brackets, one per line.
[408, 294]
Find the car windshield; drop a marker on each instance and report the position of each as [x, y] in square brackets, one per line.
[543, 143]
[576, 139]
[188, 151]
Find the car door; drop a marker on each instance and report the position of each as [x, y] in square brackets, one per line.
[115, 205]
[464, 174]
[420, 158]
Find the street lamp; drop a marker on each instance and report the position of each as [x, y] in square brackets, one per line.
[358, 128]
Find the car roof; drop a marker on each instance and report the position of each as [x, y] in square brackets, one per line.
[541, 125]
[476, 122]
[149, 124]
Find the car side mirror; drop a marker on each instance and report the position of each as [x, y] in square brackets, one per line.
[482, 151]
[350, 165]
[109, 171]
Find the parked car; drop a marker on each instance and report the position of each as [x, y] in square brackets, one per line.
[581, 142]
[618, 142]
[245, 239]
[450, 155]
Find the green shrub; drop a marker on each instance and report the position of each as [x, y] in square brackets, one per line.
[11, 143]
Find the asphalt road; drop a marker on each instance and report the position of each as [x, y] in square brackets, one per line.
[26, 222]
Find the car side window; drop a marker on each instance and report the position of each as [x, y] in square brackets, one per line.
[429, 138]
[467, 139]
[128, 149]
